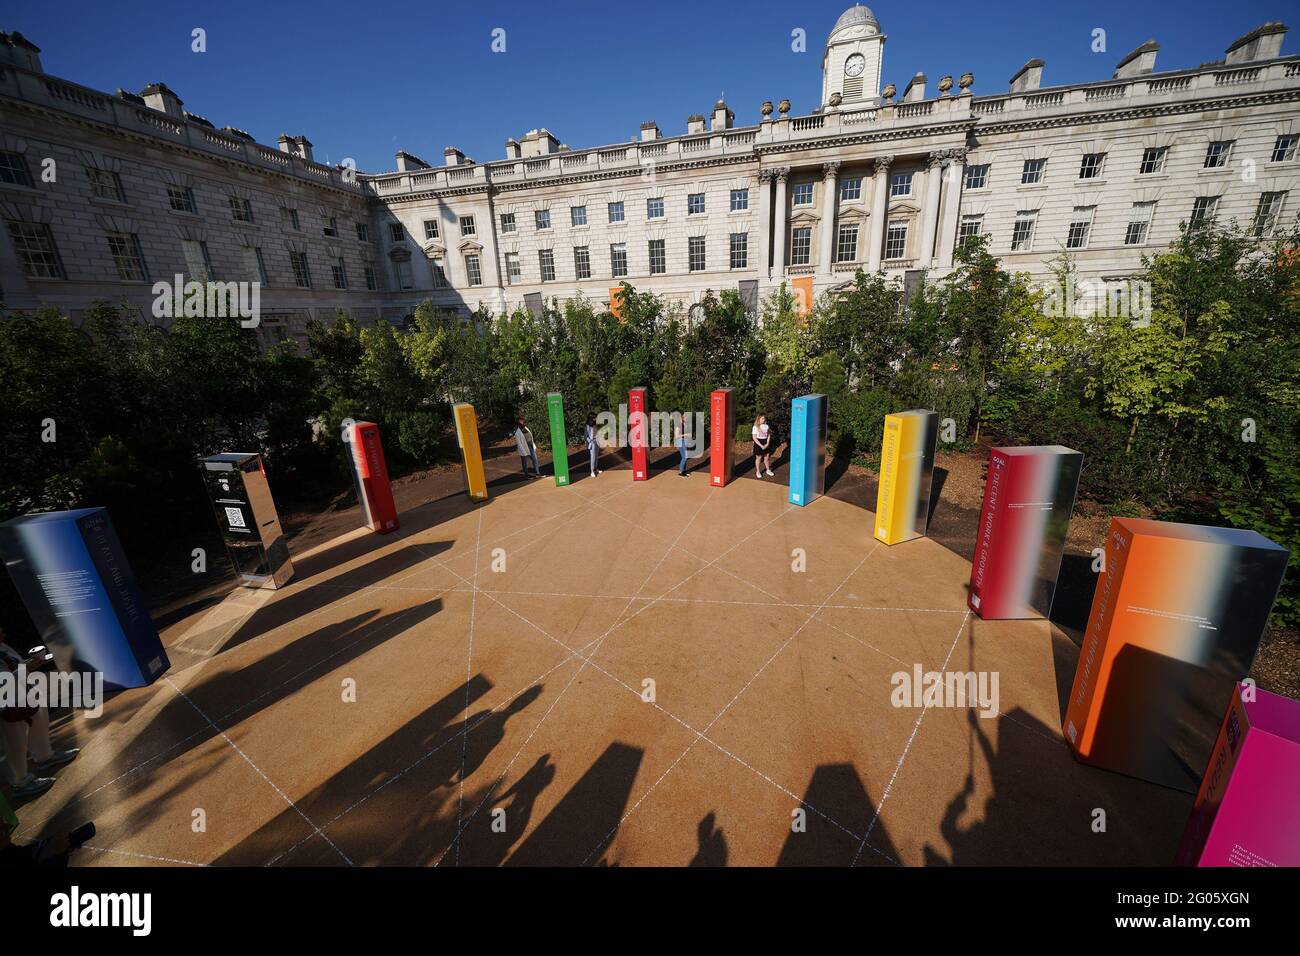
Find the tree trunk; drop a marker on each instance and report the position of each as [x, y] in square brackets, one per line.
[1131, 432]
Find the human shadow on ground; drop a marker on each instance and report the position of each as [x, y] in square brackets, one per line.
[183, 724]
[399, 802]
[578, 828]
[713, 844]
[836, 792]
[1043, 808]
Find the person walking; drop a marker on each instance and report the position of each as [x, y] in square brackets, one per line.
[527, 448]
[593, 449]
[762, 434]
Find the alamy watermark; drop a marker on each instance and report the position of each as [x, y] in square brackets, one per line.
[20, 688]
[1084, 298]
[213, 300]
[651, 429]
[959, 689]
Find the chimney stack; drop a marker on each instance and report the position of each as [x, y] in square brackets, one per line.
[1262, 43]
[723, 118]
[408, 162]
[20, 51]
[1029, 77]
[915, 89]
[299, 146]
[1138, 63]
[649, 131]
[158, 97]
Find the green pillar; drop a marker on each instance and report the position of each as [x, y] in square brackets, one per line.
[559, 444]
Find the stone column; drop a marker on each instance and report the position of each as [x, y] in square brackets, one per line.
[764, 222]
[779, 225]
[830, 201]
[879, 210]
[930, 209]
[954, 181]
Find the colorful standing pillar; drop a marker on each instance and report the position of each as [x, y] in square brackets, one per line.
[638, 433]
[559, 440]
[1028, 499]
[370, 475]
[245, 511]
[73, 577]
[471, 455]
[722, 436]
[1247, 812]
[1176, 621]
[807, 449]
[906, 471]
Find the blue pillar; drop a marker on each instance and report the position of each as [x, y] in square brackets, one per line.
[807, 449]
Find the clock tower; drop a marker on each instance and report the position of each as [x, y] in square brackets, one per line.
[851, 64]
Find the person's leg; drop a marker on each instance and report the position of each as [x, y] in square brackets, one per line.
[592, 454]
[15, 735]
[38, 736]
[537, 469]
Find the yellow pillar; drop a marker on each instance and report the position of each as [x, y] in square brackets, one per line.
[470, 453]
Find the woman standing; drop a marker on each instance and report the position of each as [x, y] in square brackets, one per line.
[527, 448]
[593, 450]
[762, 434]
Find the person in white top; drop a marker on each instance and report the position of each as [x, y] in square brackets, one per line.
[593, 448]
[762, 433]
[527, 448]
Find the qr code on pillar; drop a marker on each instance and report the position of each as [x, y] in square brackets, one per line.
[235, 517]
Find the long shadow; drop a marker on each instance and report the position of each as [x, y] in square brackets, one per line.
[410, 788]
[837, 791]
[938, 479]
[178, 728]
[1043, 809]
[586, 815]
[509, 817]
[302, 601]
[412, 521]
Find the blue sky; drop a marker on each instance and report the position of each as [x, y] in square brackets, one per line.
[362, 81]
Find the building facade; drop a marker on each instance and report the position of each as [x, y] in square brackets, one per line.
[872, 179]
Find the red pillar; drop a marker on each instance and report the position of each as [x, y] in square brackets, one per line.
[722, 436]
[638, 433]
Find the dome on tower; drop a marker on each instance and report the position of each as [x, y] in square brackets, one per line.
[856, 15]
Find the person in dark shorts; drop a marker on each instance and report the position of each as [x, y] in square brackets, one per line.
[762, 435]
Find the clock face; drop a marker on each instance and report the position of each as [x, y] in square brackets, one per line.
[855, 64]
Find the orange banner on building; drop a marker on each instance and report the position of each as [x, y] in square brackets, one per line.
[803, 294]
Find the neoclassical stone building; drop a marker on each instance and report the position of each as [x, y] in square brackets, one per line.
[874, 178]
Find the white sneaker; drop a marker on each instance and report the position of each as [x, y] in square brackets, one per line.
[769, 473]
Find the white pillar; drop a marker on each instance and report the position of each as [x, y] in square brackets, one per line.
[954, 181]
[830, 200]
[779, 225]
[930, 209]
[765, 221]
[879, 210]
